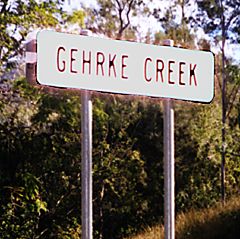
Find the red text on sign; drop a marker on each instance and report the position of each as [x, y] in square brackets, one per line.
[76, 61]
[170, 72]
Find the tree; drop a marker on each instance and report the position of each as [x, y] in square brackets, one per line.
[174, 28]
[113, 17]
[39, 167]
[221, 20]
[17, 18]
[74, 21]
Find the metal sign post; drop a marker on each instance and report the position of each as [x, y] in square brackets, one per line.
[169, 204]
[86, 172]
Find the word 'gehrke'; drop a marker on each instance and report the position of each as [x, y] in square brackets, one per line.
[95, 64]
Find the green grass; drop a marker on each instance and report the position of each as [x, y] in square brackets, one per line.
[218, 222]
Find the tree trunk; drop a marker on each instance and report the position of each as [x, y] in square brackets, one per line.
[224, 82]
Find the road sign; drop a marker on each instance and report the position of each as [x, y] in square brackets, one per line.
[91, 63]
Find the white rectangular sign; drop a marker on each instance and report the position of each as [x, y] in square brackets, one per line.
[90, 63]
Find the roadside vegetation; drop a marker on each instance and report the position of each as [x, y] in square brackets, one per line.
[215, 222]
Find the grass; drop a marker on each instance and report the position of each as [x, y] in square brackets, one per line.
[218, 222]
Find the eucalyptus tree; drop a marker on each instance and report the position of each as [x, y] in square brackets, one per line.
[221, 19]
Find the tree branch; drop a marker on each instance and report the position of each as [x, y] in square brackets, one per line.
[217, 76]
[128, 12]
[120, 11]
[234, 14]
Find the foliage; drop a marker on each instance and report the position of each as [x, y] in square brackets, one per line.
[118, 169]
[149, 135]
[74, 21]
[198, 185]
[21, 214]
[37, 170]
[77, 17]
[16, 20]
[173, 27]
[216, 15]
[114, 17]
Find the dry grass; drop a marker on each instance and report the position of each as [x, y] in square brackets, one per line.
[220, 222]
[150, 233]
